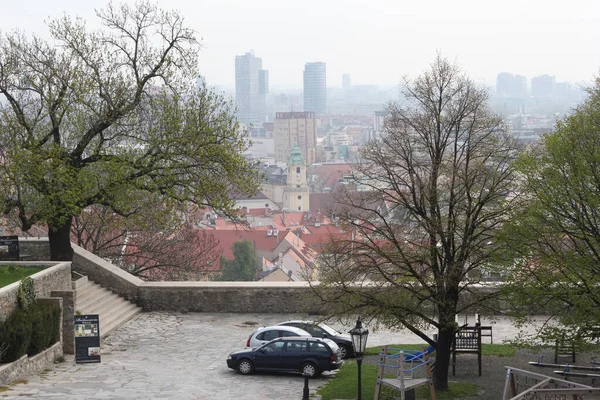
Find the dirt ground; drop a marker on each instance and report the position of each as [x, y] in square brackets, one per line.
[493, 377]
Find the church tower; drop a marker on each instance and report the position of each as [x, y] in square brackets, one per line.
[295, 196]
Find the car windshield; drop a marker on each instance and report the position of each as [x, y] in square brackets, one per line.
[329, 330]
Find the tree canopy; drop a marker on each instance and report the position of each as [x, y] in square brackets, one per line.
[243, 265]
[112, 117]
[556, 231]
[422, 212]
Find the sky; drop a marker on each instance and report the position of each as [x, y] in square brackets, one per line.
[375, 41]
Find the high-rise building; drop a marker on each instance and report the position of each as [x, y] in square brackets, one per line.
[251, 88]
[346, 82]
[543, 86]
[295, 128]
[511, 85]
[315, 87]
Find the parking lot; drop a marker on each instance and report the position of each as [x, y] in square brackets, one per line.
[180, 356]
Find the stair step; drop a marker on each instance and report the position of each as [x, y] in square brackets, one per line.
[98, 301]
[112, 309]
[124, 317]
[90, 293]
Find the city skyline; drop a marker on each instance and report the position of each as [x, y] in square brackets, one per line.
[377, 42]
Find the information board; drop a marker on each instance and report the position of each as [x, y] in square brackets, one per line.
[9, 248]
[87, 338]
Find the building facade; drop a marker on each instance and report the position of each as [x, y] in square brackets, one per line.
[251, 88]
[296, 193]
[295, 128]
[315, 88]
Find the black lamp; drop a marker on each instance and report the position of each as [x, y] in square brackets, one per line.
[359, 337]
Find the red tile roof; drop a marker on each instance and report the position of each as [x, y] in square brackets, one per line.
[330, 174]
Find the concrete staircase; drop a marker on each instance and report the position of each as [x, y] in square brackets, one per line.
[112, 309]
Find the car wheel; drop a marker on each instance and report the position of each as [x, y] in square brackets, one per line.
[310, 369]
[245, 367]
[343, 351]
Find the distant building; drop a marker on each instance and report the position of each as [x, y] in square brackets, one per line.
[543, 86]
[346, 83]
[296, 194]
[510, 85]
[315, 87]
[251, 88]
[295, 128]
[379, 124]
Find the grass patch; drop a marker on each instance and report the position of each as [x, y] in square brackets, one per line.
[4, 389]
[19, 382]
[344, 385]
[503, 350]
[13, 273]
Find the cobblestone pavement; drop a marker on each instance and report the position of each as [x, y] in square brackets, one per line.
[182, 356]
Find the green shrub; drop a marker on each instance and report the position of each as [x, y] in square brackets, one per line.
[26, 292]
[16, 333]
[30, 331]
[45, 320]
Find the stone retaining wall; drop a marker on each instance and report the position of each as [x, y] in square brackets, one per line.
[243, 297]
[34, 249]
[259, 297]
[56, 277]
[27, 366]
[106, 274]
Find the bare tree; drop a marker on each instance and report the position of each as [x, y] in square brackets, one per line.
[422, 212]
[152, 245]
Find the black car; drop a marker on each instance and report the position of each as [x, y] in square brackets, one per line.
[321, 330]
[306, 355]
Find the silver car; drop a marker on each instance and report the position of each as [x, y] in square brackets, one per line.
[266, 334]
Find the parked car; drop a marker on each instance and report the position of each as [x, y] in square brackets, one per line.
[321, 330]
[306, 355]
[266, 334]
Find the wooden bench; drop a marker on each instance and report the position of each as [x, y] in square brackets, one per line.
[564, 348]
[467, 340]
[486, 331]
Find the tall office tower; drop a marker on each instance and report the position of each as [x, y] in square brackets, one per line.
[251, 88]
[511, 85]
[543, 86]
[292, 128]
[346, 83]
[315, 88]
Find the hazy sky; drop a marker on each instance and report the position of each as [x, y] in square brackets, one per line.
[375, 41]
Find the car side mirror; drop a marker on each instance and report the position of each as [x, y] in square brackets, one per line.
[325, 335]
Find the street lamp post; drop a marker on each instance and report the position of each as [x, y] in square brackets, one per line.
[359, 342]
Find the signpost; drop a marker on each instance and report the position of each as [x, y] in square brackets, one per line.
[87, 338]
[9, 248]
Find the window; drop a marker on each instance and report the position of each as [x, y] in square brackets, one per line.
[266, 205]
[268, 335]
[299, 197]
[318, 347]
[294, 346]
[299, 208]
[297, 170]
[273, 347]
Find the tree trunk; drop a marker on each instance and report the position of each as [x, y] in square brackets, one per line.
[59, 237]
[442, 357]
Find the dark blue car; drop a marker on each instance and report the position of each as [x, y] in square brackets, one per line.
[306, 355]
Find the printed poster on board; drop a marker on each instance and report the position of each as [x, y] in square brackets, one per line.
[87, 338]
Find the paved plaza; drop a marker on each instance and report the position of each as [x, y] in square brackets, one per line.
[182, 356]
